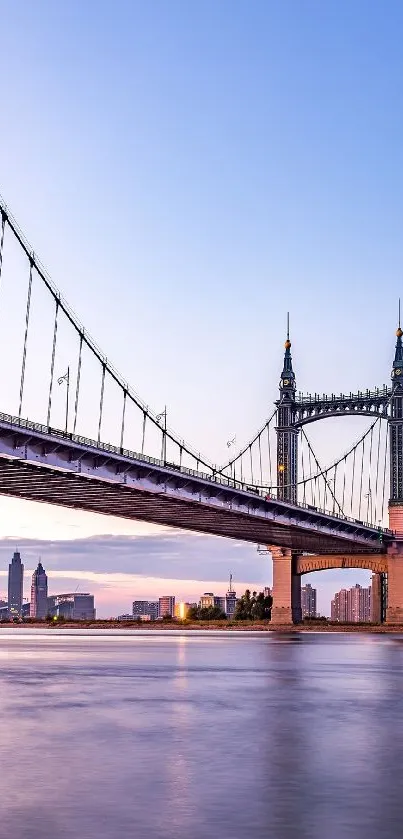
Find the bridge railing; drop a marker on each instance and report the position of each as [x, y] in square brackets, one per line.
[264, 492]
[378, 393]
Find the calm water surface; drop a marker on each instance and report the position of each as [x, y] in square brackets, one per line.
[106, 735]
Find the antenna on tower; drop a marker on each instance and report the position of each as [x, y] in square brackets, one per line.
[230, 582]
[399, 314]
[288, 323]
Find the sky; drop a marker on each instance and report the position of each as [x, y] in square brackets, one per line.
[188, 173]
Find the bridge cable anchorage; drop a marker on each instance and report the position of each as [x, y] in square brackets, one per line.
[7, 219]
[52, 366]
[24, 351]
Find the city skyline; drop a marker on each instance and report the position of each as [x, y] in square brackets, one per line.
[162, 562]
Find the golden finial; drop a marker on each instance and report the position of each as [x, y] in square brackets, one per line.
[399, 332]
[288, 344]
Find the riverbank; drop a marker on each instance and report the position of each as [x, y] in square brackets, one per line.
[205, 626]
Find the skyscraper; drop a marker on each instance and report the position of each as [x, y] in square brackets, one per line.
[352, 606]
[39, 593]
[308, 601]
[15, 585]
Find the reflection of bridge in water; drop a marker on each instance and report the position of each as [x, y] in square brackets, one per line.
[273, 491]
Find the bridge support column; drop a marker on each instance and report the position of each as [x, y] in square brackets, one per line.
[376, 598]
[286, 588]
[394, 611]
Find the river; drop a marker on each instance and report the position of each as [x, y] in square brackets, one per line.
[188, 736]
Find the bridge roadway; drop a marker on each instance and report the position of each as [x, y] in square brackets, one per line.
[43, 464]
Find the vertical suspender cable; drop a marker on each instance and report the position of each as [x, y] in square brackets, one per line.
[377, 471]
[122, 429]
[334, 489]
[311, 483]
[260, 461]
[369, 505]
[384, 474]
[144, 432]
[303, 472]
[101, 401]
[344, 484]
[52, 365]
[180, 456]
[251, 464]
[352, 482]
[80, 349]
[24, 352]
[2, 231]
[270, 467]
[362, 470]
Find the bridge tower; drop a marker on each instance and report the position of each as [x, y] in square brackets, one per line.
[287, 433]
[394, 613]
[286, 583]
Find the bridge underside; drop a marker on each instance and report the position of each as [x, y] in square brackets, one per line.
[35, 482]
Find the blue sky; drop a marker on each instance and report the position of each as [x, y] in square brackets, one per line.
[188, 172]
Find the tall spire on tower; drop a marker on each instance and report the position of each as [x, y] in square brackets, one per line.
[287, 382]
[398, 361]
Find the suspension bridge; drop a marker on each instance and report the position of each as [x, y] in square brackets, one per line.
[120, 458]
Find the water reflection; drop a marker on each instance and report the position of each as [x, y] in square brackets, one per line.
[184, 735]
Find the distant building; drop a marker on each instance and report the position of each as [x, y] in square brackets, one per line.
[230, 602]
[352, 605]
[166, 606]
[207, 600]
[76, 606]
[26, 610]
[124, 618]
[220, 603]
[182, 610]
[39, 593]
[144, 608]
[308, 601]
[15, 585]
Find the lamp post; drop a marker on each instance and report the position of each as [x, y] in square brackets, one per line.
[61, 379]
[163, 414]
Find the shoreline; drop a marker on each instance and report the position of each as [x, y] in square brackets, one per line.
[243, 626]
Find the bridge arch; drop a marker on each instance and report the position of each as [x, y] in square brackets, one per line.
[378, 563]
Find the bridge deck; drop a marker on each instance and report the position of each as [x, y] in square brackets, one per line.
[42, 464]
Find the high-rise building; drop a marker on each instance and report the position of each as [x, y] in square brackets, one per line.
[15, 585]
[166, 606]
[308, 601]
[145, 608]
[78, 606]
[39, 593]
[352, 606]
[230, 600]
